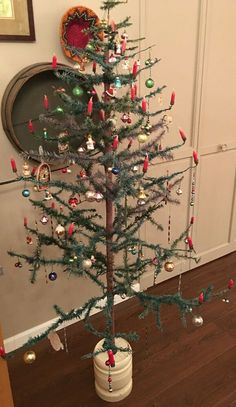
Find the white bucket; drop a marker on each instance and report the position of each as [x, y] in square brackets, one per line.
[121, 373]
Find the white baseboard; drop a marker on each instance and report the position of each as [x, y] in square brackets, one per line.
[18, 340]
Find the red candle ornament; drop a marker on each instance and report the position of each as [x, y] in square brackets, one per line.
[183, 135]
[94, 67]
[135, 69]
[90, 106]
[71, 229]
[54, 61]
[53, 205]
[144, 105]
[190, 243]
[135, 89]
[195, 157]
[115, 142]
[13, 165]
[172, 98]
[45, 102]
[30, 126]
[123, 46]
[145, 164]
[192, 220]
[230, 283]
[201, 298]
[2, 352]
[25, 221]
[111, 358]
[132, 93]
[113, 25]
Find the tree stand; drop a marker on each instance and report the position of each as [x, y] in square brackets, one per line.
[120, 374]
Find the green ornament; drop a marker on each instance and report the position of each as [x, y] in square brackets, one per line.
[59, 109]
[77, 91]
[89, 46]
[149, 83]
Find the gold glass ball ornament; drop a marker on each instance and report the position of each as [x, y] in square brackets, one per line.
[169, 266]
[87, 263]
[197, 320]
[29, 357]
[60, 230]
[142, 138]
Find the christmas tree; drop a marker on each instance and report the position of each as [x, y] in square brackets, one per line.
[112, 134]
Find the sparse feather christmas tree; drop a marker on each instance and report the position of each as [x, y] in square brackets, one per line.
[113, 134]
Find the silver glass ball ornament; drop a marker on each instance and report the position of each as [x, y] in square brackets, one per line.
[197, 320]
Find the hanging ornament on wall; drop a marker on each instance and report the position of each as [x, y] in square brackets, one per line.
[29, 357]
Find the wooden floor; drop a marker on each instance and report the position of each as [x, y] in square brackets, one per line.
[180, 367]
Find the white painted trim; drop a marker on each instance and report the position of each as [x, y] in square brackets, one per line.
[18, 340]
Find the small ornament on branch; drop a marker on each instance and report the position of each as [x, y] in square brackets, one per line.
[195, 157]
[182, 135]
[90, 106]
[55, 341]
[45, 102]
[145, 164]
[172, 98]
[201, 298]
[54, 61]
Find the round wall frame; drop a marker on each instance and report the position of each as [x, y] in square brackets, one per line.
[23, 101]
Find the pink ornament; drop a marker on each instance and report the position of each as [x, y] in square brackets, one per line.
[144, 105]
[145, 164]
[183, 135]
[172, 99]
[90, 106]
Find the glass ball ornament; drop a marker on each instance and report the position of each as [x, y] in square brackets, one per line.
[142, 138]
[29, 357]
[179, 191]
[197, 320]
[169, 266]
[87, 263]
[52, 276]
[77, 91]
[59, 109]
[115, 170]
[135, 169]
[60, 230]
[149, 83]
[26, 193]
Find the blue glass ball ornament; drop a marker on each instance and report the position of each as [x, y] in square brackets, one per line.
[115, 170]
[26, 193]
[52, 276]
[117, 82]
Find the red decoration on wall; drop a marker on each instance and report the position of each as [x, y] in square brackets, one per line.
[73, 24]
